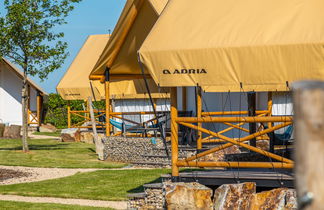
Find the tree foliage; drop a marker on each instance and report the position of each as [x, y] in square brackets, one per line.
[56, 110]
[27, 37]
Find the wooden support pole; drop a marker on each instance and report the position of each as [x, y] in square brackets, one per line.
[97, 141]
[107, 100]
[69, 114]
[198, 113]
[174, 134]
[235, 164]
[251, 112]
[309, 143]
[39, 108]
[270, 124]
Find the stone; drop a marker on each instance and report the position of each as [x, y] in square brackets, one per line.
[49, 128]
[279, 198]
[2, 128]
[233, 196]
[70, 135]
[12, 132]
[263, 144]
[87, 136]
[187, 196]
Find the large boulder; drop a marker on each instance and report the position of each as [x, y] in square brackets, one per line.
[280, 198]
[48, 128]
[234, 196]
[70, 135]
[2, 128]
[187, 196]
[12, 132]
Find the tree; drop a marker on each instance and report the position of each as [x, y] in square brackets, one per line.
[27, 38]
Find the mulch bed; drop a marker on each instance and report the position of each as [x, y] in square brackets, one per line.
[9, 174]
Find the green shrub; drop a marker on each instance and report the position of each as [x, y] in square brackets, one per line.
[56, 110]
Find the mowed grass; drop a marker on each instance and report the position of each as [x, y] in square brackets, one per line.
[52, 153]
[56, 134]
[99, 185]
[43, 206]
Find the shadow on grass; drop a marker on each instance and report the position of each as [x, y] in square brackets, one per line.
[140, 189]
[38, 147]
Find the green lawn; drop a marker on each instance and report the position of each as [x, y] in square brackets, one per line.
[98, 185]
[57, 133]
[51, 153]
[42, 206]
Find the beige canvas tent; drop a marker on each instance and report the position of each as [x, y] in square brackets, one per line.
[222, 46]
[236, 45]
[119, 58]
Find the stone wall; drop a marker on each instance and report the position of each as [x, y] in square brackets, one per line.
[130, 149]
[227, 197]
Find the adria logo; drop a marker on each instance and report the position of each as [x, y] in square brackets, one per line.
[185, 71]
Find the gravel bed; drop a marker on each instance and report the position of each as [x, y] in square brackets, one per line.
[11, 174]
[29, 174]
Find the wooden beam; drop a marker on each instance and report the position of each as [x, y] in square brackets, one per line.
[174, 133]
[234, 119]
[234, 164]
[198, 113]
[251, 112]
[107, 100]
[309, 143]
[69, 114]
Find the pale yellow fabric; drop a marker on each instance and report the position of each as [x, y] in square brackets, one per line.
[75, 84]
[134, 24]
[242, 45]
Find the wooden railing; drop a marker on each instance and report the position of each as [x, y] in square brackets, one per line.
[234, 120]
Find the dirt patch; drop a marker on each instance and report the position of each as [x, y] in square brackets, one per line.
[10, 174]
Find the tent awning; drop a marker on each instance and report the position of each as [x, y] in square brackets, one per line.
[75, 85]
[232, 45]
[134, 24]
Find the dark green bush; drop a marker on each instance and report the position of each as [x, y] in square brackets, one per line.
[56, 110]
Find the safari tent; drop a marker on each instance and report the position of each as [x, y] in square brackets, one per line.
[118, 61]
[252, 48]
[127, 95]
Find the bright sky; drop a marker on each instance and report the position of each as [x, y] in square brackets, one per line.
[89, 17]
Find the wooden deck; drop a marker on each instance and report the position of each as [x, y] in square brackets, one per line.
[262, 177]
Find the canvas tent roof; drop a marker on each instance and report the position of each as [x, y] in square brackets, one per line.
[20, 74]
[134, 24]
[75, 84]
[236, 45]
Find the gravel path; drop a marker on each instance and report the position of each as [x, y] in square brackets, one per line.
[39, 174]
[81, 202]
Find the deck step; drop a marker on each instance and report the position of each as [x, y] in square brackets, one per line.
[153, 186]
[136, 195]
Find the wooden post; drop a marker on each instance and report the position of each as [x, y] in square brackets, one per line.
[309, 143]
[251, 112]
[107, 99]
[98, 143]
[198, 113]
[39, 108]
[174, 134]
[270, 124]
[69, 114]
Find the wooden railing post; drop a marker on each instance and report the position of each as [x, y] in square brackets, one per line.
[270, 124]
[174, 134]
[69, 115]
[199, 111]
[107, 100]
[309, 143]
